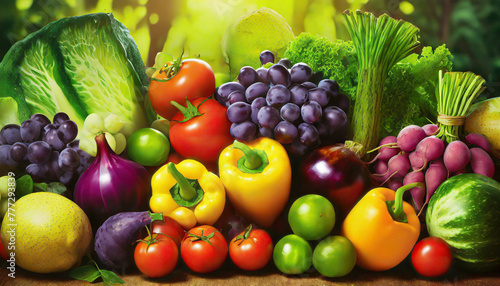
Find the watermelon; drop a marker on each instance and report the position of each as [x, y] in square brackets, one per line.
[465, 212]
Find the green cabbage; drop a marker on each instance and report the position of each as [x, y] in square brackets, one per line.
[409, 90]
[77, 65]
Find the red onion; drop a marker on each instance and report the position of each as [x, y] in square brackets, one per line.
[111, 185]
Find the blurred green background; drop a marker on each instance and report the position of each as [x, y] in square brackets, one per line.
[469, 28]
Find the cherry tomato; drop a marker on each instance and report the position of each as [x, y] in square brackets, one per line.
[202, 137]
[432, 257]
[170, 227]
[156, 257]
[252, 249]
[194, 79]
[204, 249]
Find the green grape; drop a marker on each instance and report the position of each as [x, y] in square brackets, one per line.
[4, 186]
[88, 145]
[161, 125]
[4, 206]
[113, 124]
[93, 123]
[127, 129]
[121, 142]
[111, 140]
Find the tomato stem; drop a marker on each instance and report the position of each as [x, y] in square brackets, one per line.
[188, 112]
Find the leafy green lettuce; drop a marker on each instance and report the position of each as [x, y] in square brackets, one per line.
[409, 91]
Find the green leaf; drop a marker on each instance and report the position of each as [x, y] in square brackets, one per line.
[24, 186]
[40, 187]
[56, 187]
[110, 278]
[87, 273]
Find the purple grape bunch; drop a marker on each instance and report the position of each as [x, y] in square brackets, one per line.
[47, 151]
[288, 103]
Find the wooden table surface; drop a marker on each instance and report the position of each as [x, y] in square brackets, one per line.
[402, 275]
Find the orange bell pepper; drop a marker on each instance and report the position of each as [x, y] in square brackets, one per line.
[383, 228]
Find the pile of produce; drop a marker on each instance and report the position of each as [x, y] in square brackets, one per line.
[157, 169]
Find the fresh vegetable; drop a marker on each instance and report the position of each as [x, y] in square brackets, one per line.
[409, 89]
[111, 185]
[409, 137]
[479, 140]
[201, 130]
[383, 228]
[483, 120]
[257, 177]
[115, 237]
[113, 128]
[455, 94]
[156, 255]
[456, 156]
[85, 64]
[169, 227]
[252, 249]
[286, 106]
[334, 256]
[46, 151]
[292, 255]
[148, 147]
[431, 257]
[481, 163]
[380, 44]
[204, 249]
[178, 81]
[464, 212]
[52, 234]
[188, 193]
[252, 33]
[311, 217]
[336, 173]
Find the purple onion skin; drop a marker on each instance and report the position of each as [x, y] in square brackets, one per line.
[336, 173]
[114, 240]
[111, 185]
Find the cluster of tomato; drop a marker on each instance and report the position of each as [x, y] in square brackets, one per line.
[203, 249]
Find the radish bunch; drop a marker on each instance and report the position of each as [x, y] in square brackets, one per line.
[416, 155]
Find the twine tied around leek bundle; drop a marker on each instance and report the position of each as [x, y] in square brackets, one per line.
[447, 120]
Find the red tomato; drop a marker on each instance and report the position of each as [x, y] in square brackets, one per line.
[204, 249]
[3, 252]
[159, 259]
[194, 79]
[432, 257]
[170, 227]
[202, 137]
[252, 249]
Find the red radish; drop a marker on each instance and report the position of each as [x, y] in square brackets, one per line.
[456, 156]
[409, 137]
[429, 149]
[381, 173]
[479, 140]
[417, 194]
[405, 154]
[416, 161]
[395, 183]
[482, 163]
[430, 129]
[389, 150]
[435, 175]
[398, 166]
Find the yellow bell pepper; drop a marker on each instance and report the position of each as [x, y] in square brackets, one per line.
[383, 228]
[188, 193]
[257, 177]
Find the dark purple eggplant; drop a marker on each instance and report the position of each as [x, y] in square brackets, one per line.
[336, 173]
[115, 237]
